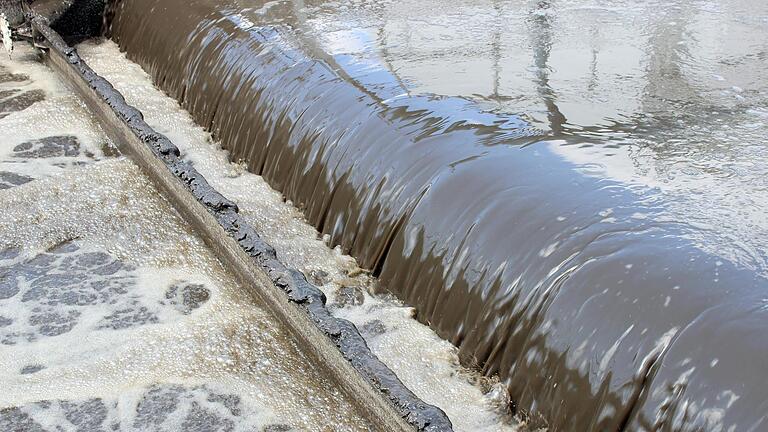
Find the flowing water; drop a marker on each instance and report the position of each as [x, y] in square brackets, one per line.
[573, 193]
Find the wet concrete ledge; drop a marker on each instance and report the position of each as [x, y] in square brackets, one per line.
[377, 389]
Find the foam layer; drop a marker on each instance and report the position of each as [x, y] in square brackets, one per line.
[113, 314]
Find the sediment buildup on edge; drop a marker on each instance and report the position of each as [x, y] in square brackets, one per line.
[592, 303]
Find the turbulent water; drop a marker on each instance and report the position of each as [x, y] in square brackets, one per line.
[113, 315]
[573, 193]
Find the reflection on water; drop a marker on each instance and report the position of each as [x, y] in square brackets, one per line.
[666, 95]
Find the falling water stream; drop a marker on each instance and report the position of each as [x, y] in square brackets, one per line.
[572, 193]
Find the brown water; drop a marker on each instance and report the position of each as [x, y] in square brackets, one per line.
[572, 193]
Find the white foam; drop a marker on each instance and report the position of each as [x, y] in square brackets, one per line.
[97, 319]
[5, 32]
[59, 114]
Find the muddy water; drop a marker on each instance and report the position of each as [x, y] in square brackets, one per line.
[573, 194]
[113, 315]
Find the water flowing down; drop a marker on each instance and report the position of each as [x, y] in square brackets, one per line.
[574, 195]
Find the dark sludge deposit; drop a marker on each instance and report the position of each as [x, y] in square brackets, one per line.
[602, 305]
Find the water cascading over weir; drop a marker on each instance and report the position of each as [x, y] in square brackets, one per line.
[596, 308]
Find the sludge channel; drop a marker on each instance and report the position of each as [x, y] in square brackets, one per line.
[572, 193]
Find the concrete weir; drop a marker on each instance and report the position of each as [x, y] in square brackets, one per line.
[335, 346]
